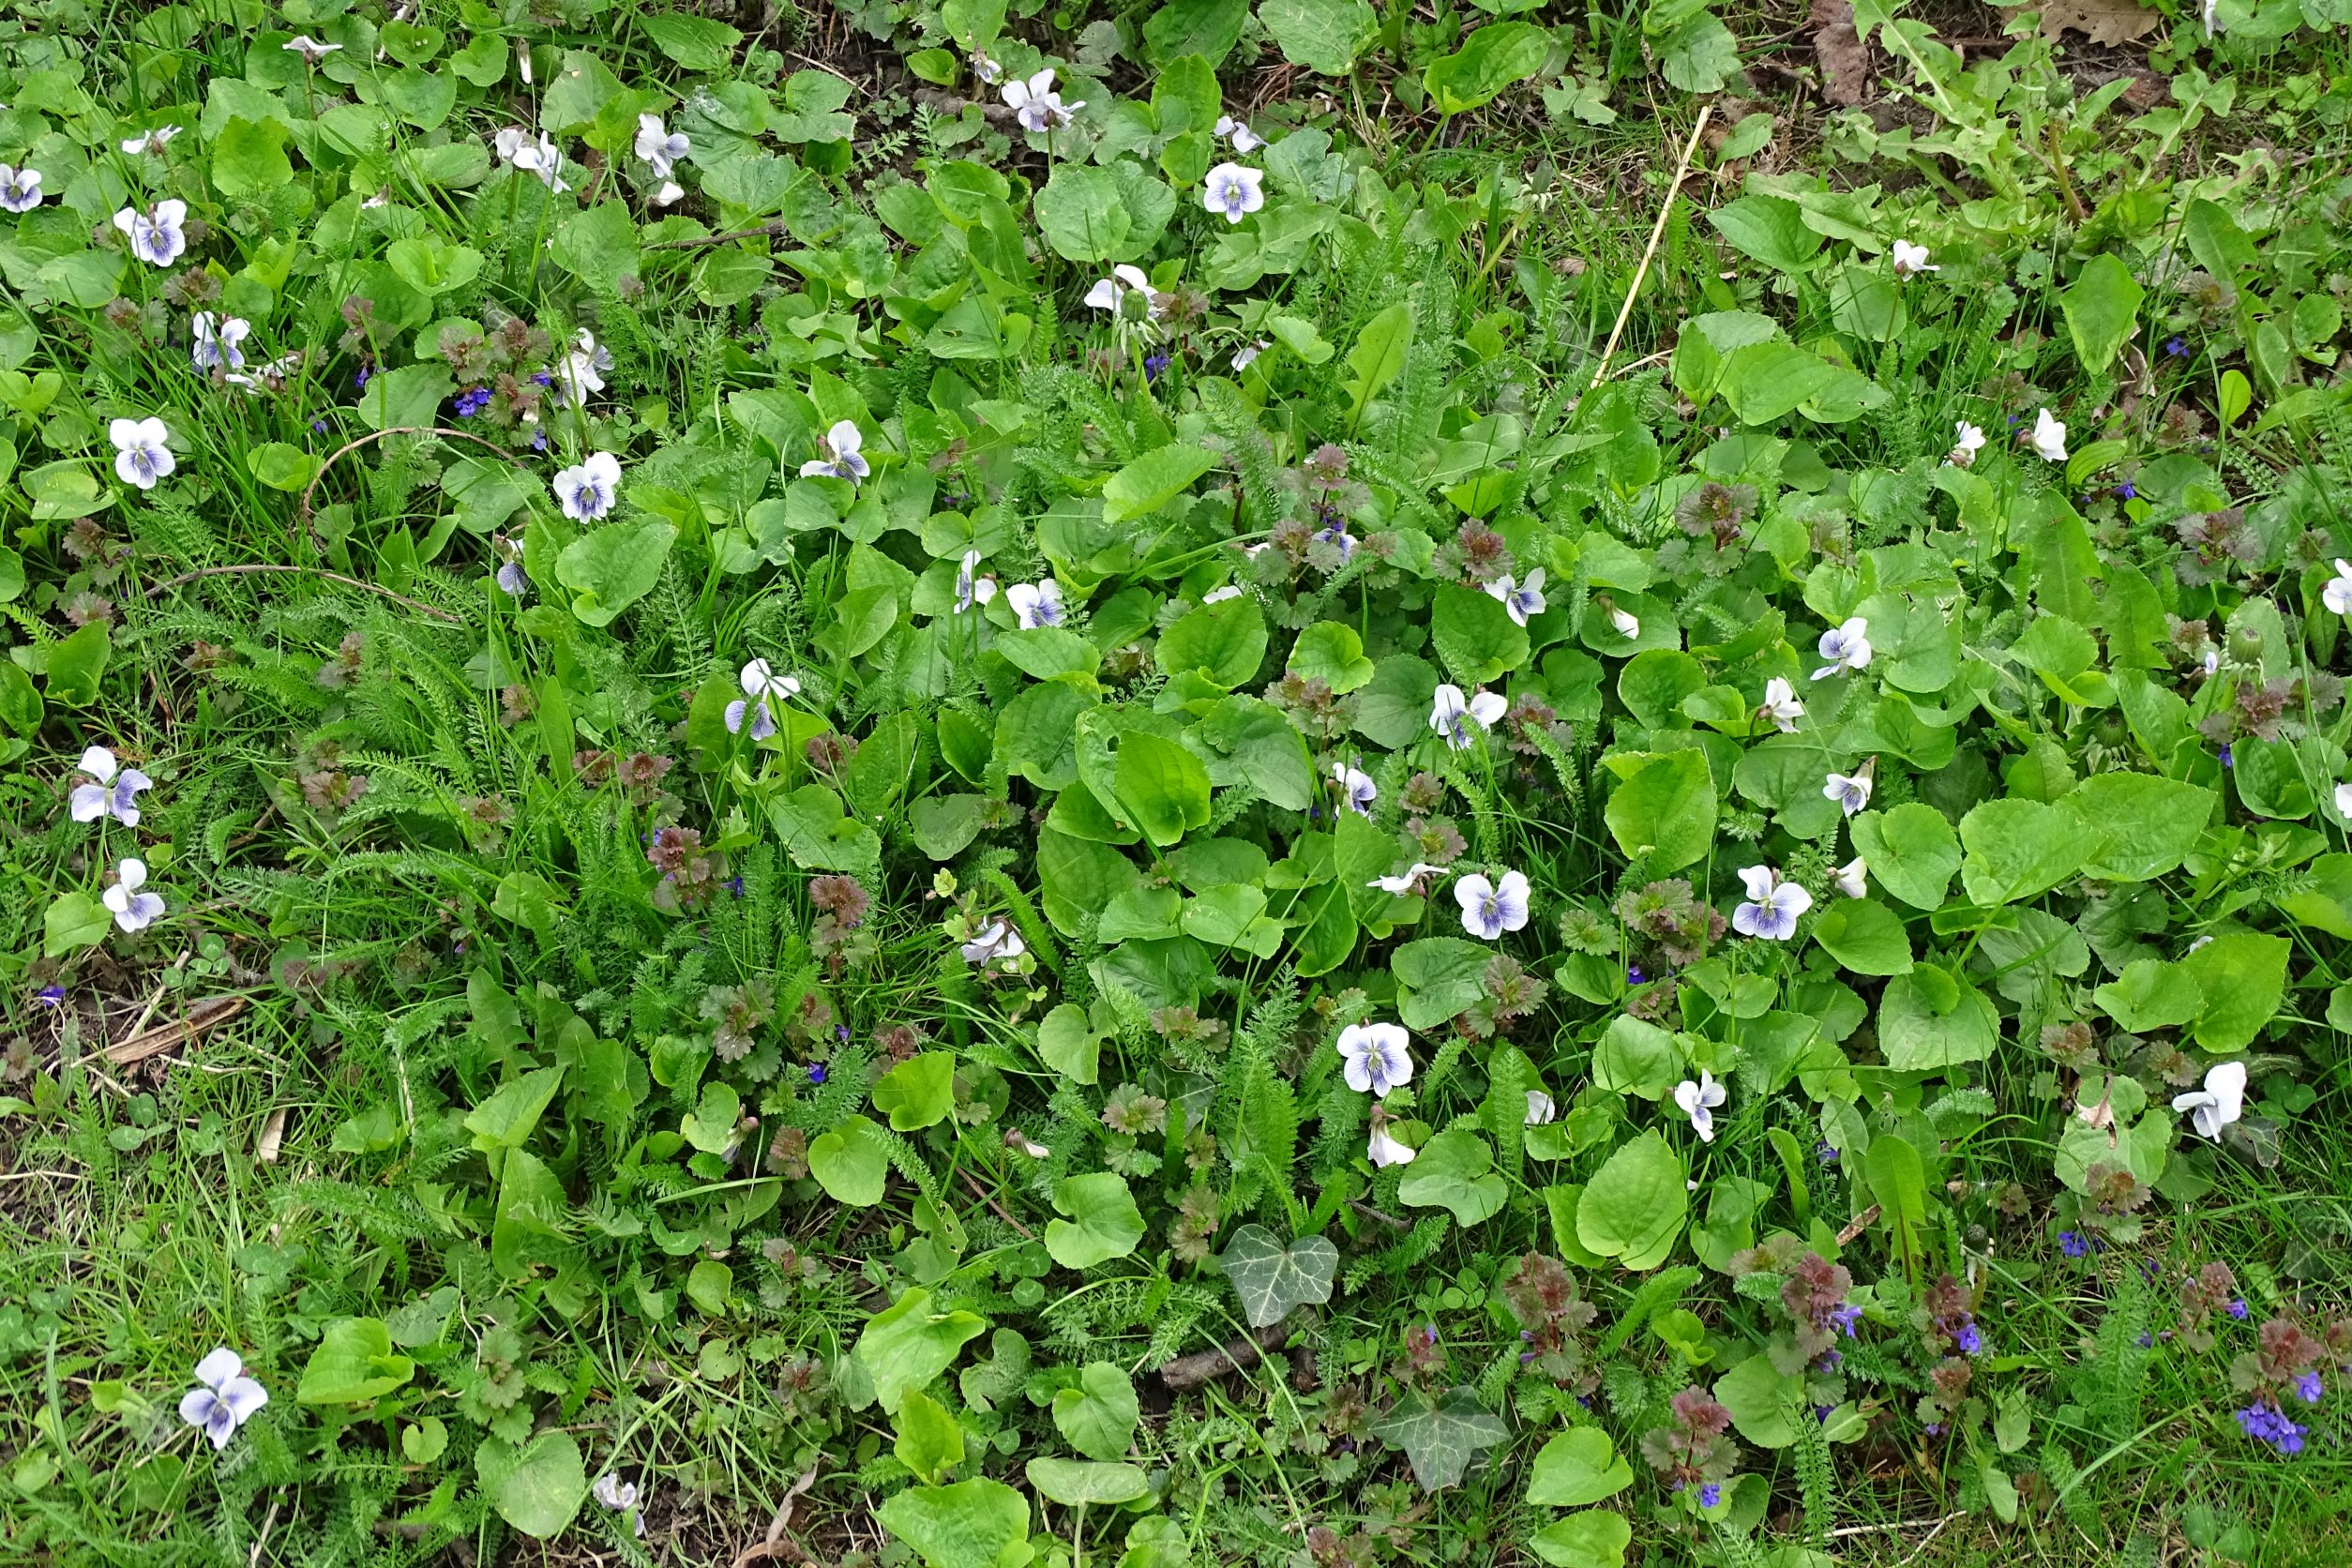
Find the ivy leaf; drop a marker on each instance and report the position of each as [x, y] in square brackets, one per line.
[1271, 1280]
[1439, 1435]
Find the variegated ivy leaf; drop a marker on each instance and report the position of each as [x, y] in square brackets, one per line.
[1271, 1278]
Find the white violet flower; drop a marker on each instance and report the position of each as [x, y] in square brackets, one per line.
[20, 188]
[588, 489]
[1356, 787]
[2337, 592]
[1244, 139]
[1110, 293]
[1698, 1102]
[1780, 705]
[1848, 878]
[1219, 596]
[1851, 790]
[987, 70]
[1847, 646]
[1036, 105]
[219, 342]
[1542, 1110]
[660, 146]
[1489, 908]
[844, 455]
[1628, 626]
[1519, 600]
[226, 1401]
[971, 590]
[1233, 190]
[1405, 882]
[1385, 1150]
[532, 154]
[150, 141]
[2048, 438]
[1910, 260]
[762, 686]
[1964, 450]
[580, 372]
[141, 457]
[310, 49]
[134, 911]
[116, 792]
[2220, 1101]
[1376, 1056]
[1246, 355]
[1036, 604]
[614, 1493]
[997, 939]
[1451, 712]
[158, 235]
[1773, 905]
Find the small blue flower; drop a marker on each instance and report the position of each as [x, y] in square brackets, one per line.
[2228, 761]
[1824, 1154]
[359, 377]
[473, 401]
[1970, 1342]
[318, 425]
[1634, 976]
[539, 440]
[1710, 1495]
[2177, 347]
[2308, 1388]
[841, 1032]
[2237, 1309]
[2145, 1340]
[2125, 492]
[49, 996]
[1155, 363]
[2073, 1243]
[1935, 1428]
[816, 1072]
[2265, 1422]
[734, 886]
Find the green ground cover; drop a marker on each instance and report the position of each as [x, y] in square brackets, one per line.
[1317, 784]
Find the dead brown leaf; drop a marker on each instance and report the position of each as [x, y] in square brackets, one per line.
[1845, 59]
[2106, 22]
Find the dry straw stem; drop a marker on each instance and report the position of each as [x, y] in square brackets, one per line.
[1657, 232]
